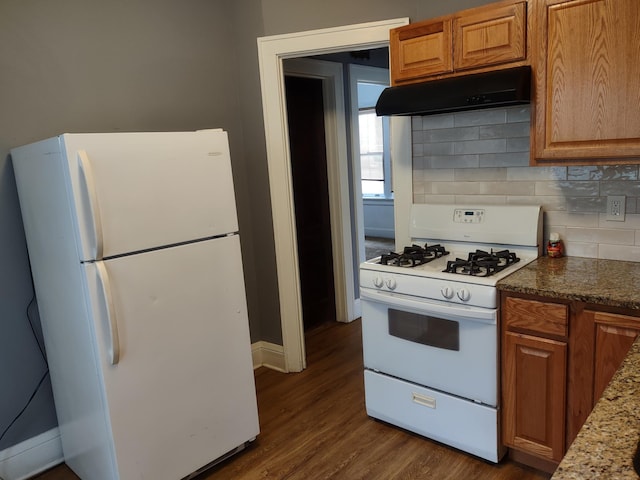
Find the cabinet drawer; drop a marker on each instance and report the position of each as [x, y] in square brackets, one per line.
[534, 316]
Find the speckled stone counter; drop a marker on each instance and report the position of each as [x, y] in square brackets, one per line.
[605, 446]
[605, 282]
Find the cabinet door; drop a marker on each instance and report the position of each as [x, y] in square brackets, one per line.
[588, 80]
[490, 36]
[534, 391]
[614, 336]
[419, 50]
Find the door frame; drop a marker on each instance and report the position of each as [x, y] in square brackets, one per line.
[272, 51]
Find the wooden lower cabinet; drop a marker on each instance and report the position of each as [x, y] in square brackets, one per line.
[614, 336]
[557, 359]
[534, 385]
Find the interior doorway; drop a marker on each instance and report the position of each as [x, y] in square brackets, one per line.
[307, 144]
[272, 51]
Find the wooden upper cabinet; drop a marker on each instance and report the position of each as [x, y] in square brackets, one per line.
[489, 36]
[587, 76]
[420, 50]
[474, 39]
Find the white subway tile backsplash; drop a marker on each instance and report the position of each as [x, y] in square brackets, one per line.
[434, 122]
[496, 145]
[506, 130]
[521, 113]
[480, 117]
[507, 188]
[629, 188]
[573, 189]
[537, 173]
[472, 200]
[480, 174]
[482, 157]
[578, 249]
[569, 219]
[617, 252]
[441, 174]
[457, 188]
[518, 144]
[439, 148]
[606, 172]
[601, 235]
[454, 161]
[508, 159]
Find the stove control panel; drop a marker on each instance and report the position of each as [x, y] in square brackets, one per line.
[462, 215]
[422, 288]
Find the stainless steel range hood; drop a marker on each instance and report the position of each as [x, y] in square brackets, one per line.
[470, 92]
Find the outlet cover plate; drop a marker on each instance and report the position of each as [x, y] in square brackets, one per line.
[616, 208]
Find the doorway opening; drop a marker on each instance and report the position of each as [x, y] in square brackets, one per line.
[305, 120]
[368, 159]
[272, 53]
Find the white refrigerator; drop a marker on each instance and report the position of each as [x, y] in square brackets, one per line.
[134, 247]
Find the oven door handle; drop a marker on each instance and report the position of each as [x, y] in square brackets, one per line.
[452, 311]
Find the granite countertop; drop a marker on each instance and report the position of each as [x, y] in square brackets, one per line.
[605, 445]
[591, 280]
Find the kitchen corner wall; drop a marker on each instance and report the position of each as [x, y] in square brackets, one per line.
[482, 157]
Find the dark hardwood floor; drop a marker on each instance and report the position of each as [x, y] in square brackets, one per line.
[314, 426]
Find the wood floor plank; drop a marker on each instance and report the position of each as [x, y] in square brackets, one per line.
[314, 426]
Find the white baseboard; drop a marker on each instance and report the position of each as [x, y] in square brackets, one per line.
[32, 456]
[270, 355]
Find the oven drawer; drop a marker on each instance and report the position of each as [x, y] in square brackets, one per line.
[462, 424]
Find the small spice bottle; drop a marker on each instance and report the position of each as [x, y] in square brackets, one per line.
[554, 247]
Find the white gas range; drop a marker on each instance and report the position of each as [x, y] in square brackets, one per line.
[429, 321]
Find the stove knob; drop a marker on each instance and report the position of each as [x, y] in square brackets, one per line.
[447, 292]
[464, 294]
[377, 281]
[391, 283]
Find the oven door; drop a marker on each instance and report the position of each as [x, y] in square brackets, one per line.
[447, 347]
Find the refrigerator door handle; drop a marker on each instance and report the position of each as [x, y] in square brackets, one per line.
[87, 177]
[112, 320]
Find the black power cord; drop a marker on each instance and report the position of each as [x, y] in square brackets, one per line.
[42, 379]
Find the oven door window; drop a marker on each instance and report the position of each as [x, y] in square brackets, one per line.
[417, 328]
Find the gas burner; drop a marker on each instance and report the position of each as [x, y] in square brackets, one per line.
[481, 263]
[414, 255]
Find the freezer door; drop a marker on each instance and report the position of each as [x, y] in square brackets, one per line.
[136, 191]
[181, 392]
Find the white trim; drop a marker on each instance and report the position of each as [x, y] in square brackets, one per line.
[337, 174]
[271, 51]
[32, 456]
[268, 355]
[401, 166]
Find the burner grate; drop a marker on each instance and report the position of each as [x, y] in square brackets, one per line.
[481, 263]
[414, 255]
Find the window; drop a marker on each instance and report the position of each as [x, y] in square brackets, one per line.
[371, 153]
[375, 165]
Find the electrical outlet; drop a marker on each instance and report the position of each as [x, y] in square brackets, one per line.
[616, 208]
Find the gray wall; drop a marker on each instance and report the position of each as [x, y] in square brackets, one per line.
[81, 66]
